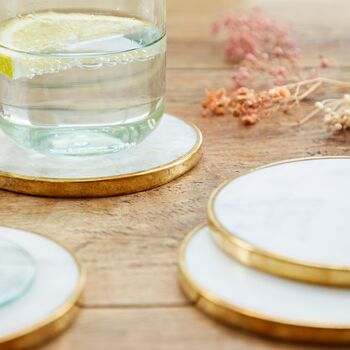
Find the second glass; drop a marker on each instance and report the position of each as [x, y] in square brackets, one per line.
[81, 80]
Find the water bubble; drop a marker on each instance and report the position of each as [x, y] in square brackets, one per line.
[90, 65]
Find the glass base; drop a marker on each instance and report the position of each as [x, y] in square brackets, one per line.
[83, 141]
[17, 272]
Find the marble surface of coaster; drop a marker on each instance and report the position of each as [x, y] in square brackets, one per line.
[296, 211]
[171, 150]
[249, 298]
[54, 292]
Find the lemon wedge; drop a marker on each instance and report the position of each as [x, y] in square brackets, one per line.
[40, 43]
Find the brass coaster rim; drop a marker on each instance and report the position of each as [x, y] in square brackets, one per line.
[115, 177]
[106, 186]
[243, 318]
[57, 321]
[261, 259]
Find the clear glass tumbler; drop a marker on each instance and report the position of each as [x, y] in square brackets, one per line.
[81, 77]
[17, 271]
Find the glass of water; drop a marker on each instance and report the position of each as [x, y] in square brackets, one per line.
[82, 77]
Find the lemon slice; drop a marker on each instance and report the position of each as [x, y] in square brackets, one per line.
[35, 43]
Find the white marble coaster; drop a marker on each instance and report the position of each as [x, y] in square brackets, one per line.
[169, 152]
[47, 307]
[271, 305]
[295, 212]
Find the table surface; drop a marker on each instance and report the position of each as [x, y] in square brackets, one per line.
[129, 244]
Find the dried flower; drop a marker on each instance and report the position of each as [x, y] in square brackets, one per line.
[254, 34]
[324, 62]
[250, 105]
[216, 103]
[336, 113]
[247, 104]
[257, 44]
[264, 50]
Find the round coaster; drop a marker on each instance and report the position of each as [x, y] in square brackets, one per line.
[266, 304]
[169, 152]
[49, 305]
[289, 219]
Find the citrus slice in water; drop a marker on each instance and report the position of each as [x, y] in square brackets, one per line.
[40, 42]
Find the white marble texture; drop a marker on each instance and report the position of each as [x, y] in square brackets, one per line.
[56, 280]
[298, 210]
[173, 139]
[269, 296]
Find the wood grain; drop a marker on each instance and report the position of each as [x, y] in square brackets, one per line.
[177, 328]
[129, 244]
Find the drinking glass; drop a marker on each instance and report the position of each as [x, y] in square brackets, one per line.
[82, 77]
[17, 271]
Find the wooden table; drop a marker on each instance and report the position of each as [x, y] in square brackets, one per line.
[129, 244]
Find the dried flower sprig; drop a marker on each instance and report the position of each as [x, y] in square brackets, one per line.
[264, 50]
[247, 104]
[250, 105]
[254, 42]
[253, 34]
[336, 113]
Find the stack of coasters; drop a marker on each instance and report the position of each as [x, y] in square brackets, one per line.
[274, 257]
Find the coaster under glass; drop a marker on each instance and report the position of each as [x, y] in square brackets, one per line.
[17, 271]
[168, 153]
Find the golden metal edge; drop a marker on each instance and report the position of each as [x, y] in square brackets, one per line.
[57, 321]
[248, 254]
[107, 186]
[243, 318]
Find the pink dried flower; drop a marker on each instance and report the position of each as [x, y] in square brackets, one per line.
[253, 33]
[257, 44]
[324, 62]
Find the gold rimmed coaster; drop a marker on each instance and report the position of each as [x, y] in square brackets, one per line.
[269, 305]
[50, 304]
[289, 219]
[172, 150]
